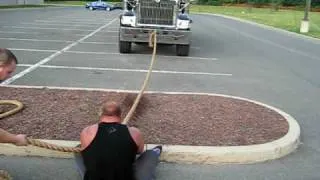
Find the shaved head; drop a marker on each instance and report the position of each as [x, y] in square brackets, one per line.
[111, 108]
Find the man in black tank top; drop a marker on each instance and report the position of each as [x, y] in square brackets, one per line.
[109, 150]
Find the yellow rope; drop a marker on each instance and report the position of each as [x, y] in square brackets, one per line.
[153, 44]
[19, 107]
[54, 147]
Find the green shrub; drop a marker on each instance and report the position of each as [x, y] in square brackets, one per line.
[215, 2]
[293, 2]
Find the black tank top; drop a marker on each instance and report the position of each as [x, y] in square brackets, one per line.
[111, 154]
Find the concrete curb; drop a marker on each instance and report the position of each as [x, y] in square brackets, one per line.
[292, 34]
[187, 154]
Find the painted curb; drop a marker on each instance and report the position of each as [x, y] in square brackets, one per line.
[286, 32]
[186, 154]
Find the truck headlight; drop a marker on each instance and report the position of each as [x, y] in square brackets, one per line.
[128, 20]
[183, 24]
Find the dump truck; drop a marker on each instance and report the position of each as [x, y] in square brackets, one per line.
[170, 19]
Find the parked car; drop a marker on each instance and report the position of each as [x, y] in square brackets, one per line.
[102, 5]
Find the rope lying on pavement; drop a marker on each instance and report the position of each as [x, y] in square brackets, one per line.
[5, 175]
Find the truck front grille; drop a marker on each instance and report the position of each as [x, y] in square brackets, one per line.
[151, 12]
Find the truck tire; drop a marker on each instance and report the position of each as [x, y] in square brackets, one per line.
[124, 47]
[182, 49]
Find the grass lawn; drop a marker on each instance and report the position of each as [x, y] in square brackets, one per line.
[73, 2]
[285, 19]
[68, 2]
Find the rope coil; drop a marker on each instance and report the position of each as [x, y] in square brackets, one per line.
[19, 107]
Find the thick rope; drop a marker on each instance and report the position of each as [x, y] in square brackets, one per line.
[54, 147]
[19, 107]
[134, 106]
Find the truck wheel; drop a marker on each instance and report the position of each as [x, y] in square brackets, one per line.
[183, 49]
[124, 47]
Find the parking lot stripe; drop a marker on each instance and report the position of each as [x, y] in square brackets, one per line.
[36, 40]
[33, 50]
[61, 29]
[67, 22]
[129, 70]
[76, 20]
[90, 42]
[107, 53]
[17, 32]
[110, 31]
[21, 32]
[105, 35]
[58, 24]
[47, 59]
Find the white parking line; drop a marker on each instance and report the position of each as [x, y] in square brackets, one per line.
[57, 24]
[21, 32]
[33, 50]
[111, 31]
[47, 59]
[107, 53]
[105, 35]
[76, 20]
[61, 29]
[67, 22]
[102, 43]
[128, 70]
[35, 40]
[52, 40]
[18, 32]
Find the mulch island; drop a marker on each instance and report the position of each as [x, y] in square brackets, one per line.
[163, 119]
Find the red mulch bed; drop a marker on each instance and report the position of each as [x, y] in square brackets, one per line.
[163, 119]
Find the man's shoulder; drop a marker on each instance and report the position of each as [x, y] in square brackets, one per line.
[135, 133]
[138, 138]
[134, 130]
[89, 129]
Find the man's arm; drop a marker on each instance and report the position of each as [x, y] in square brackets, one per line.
[6, 137]
[138, 138]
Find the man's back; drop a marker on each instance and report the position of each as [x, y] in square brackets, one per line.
[111, 154]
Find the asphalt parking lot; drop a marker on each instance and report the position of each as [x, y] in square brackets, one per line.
[81, 49]
[72, 47]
